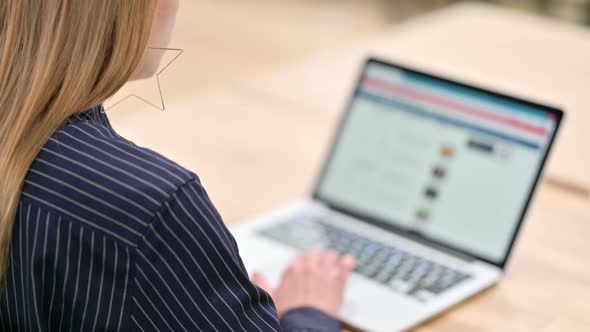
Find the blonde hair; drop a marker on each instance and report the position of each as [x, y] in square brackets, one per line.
[58, 58]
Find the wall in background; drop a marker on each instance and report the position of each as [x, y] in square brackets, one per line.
[577, 11]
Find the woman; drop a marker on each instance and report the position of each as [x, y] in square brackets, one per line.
[98, 234]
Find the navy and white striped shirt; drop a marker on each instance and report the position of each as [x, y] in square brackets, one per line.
[113, 237]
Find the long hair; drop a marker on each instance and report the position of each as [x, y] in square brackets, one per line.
[58, 58]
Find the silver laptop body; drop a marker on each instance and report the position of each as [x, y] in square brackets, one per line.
[427, 184]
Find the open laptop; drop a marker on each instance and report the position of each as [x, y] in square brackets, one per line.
[427, 184]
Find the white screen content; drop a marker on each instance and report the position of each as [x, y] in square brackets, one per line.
[454, 164]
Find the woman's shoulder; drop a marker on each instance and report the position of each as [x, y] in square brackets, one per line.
[87, 172]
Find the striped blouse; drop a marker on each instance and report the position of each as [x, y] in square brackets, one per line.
[113, 237]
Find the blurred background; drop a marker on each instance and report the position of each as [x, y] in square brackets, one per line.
[247, 37]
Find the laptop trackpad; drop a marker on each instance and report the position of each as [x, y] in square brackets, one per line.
[265, 256]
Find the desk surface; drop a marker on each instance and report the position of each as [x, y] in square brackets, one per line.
[256, 147]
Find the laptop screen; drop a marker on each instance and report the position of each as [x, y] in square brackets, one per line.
[454, 164]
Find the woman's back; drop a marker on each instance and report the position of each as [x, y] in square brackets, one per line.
[97, 234]
[110, 236]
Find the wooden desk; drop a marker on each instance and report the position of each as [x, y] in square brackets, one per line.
[255, 153]
[513, 52]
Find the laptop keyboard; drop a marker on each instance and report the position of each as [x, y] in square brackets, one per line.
[399, 269]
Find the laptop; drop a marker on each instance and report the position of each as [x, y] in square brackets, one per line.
[427, 184]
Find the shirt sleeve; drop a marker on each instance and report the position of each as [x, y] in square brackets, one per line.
[189, 276]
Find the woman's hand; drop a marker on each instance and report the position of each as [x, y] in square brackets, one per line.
[315, 279]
